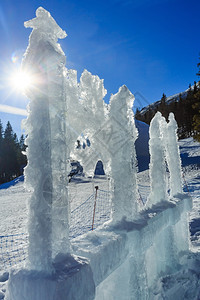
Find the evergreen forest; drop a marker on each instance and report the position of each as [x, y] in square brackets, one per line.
[186, 109]
[12, 159]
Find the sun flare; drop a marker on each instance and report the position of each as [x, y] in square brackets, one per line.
[21, 80]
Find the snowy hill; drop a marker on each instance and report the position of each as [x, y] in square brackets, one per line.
[169, 99]
[12, 183]
[142, 145]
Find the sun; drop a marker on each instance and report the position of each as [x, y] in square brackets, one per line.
[21, 80]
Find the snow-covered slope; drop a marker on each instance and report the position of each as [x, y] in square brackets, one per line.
[142, 145]
[12, 183]
[169, 99]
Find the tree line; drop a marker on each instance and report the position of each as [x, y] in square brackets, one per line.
[186, 109]
[12, 159]
[196, 106]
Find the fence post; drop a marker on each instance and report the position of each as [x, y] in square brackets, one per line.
[95, 201]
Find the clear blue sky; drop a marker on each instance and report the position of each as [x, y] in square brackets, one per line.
[152, 46]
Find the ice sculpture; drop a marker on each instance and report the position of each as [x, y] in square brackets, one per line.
[172, 155]
[86, 117]
[123, 134]
[123, 259]
[112, 134]
[47, 143]
[158, 183]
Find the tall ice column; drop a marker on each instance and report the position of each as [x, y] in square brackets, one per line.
[47, 146]
[173, 155]
[123, 134]
[157, 168]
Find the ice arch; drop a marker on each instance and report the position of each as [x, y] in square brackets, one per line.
[99, 169]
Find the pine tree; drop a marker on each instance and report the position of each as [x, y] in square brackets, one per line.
[137, 113]
[163, 100]
[195, 88]
[163, 107]
[188, 112]
[10, 148]
[198, 65]
[180, 117]
[22, 160]
[196, 118]
[1, 152]
[12, 160]
[196, 107]
[1, 132]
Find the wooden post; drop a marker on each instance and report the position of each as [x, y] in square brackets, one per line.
[95, 201]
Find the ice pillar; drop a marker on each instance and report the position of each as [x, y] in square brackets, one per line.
[123, 134]
[172, 155]
[157, 169]
[47, 146]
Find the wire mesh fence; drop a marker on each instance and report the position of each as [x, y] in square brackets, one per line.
[13, 248]
[92, 213]
[82, 216]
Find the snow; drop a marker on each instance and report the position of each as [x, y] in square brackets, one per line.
[142, 146]
[13, 208]
[12, 183]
